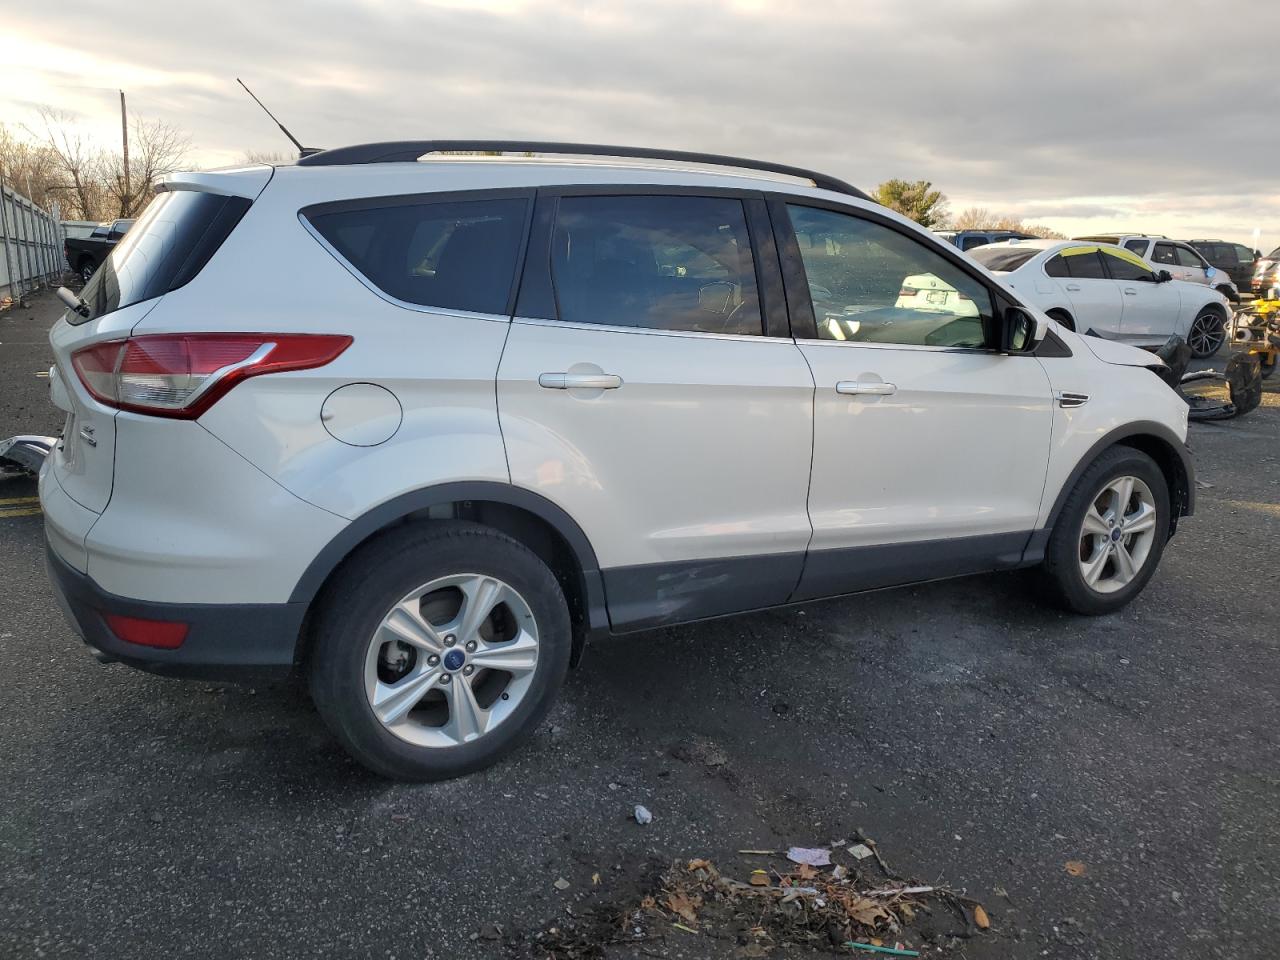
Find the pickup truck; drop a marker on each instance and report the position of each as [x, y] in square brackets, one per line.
[85, 254]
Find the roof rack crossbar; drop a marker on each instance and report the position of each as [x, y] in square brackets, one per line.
[403, 151]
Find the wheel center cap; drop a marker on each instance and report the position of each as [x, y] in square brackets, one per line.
[1115, 534]
[454, 659]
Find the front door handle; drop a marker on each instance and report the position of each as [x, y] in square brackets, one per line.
[874, 388]
[1130, 292]
[1073, 287]
[584, 381]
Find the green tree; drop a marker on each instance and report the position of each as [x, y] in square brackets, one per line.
[915, 199]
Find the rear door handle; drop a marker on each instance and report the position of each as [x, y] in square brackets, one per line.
[1130, 292]
[585, 381]
[1073, 287]
[875, 388]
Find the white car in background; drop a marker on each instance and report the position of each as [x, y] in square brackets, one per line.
[1105, 289]
[1182, 260]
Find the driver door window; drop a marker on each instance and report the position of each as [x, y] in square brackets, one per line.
[659, 262]
[872, 284]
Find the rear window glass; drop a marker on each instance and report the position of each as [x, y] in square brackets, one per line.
[167, 246]
[1007, 259]
[451, 255]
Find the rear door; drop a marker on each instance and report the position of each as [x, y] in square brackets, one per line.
[649, 388]
[1096, 301]
[930, 449]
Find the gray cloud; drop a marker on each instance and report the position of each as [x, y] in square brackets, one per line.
[1019, 104]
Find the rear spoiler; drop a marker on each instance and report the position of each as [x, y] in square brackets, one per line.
[245, 182]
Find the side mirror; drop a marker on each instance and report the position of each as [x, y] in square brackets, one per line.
[1019, 331]
[1163, 276]
[73, 302]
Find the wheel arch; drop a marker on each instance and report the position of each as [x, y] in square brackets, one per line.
[1152, 438]
[1063, 316]
[525, 516]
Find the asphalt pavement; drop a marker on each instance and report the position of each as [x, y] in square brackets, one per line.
[983, 740]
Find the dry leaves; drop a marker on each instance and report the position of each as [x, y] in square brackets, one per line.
[980, 917]
[1076, 868]
[683, 905]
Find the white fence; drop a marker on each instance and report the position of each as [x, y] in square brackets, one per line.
[30, 245]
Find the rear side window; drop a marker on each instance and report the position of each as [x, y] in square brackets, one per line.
[164, 249]
[660, 262]
[1085, 266]
[1164, 253]
[451, 255]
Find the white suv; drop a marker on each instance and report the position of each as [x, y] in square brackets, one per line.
[421, 425]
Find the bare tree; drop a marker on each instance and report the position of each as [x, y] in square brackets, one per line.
[78, 160]
[980, 218]
[265, 156]
[156, 148]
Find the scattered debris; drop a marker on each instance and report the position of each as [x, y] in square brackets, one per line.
[561, 884]
[860, 851]
[760, 878]
[875, 948]
[1076, 868]
[980, 918]
[813, 856]
[759, 853]
[642, 815]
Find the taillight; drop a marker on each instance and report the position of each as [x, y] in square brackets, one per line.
[183, 375]
[165, 634]
[908, 291]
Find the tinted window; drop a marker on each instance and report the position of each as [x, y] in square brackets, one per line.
[1188, 257]
[970, 242]
[1057, 267]
[1007, 259]
[1122, 268]
[1085, 266]
[1164, 253]
[665, 263]
[167, 246]
[1243, 253]
[1219, 254]
[873, 284]
[454, 255]
[1136, 246]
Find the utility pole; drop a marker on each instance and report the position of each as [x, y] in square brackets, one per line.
[127, 206]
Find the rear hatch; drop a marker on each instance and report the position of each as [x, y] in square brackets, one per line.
[167, 247]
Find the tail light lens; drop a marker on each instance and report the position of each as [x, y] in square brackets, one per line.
[183, 375]
[908, 291]
[165, 634]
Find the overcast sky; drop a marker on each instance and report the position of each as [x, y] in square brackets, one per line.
[1079, 114]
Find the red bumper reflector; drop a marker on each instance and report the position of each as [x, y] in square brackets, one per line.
[165, 634]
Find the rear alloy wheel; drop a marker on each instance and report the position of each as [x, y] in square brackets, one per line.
[1109, 534]
[1207, 334]
[86, 271]
[438, 648]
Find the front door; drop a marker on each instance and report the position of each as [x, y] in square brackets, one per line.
[1151, 308]
[641, 391]
[930, 449]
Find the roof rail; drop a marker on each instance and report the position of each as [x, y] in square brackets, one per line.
[401, 151]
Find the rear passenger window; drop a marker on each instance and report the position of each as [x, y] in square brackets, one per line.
[453, 255]
[1164, 253]
[1085, 266]
[663, 263]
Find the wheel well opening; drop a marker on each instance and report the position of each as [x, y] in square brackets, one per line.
[521, 525]
[1175, 474]
[1063, 317]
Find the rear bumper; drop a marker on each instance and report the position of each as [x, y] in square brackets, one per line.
[225, 641]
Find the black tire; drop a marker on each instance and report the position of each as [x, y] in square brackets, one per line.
[1063, 318]
[1207, 334]
[86, 271]
[366, 587]
[1061, 572]
[1268, 368]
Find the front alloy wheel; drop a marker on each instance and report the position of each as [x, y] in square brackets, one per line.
[1116, 534]
[1207, 335]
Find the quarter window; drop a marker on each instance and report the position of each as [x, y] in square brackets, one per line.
[658, 262]
[452, 255]
[1136, 246]
[872, 284]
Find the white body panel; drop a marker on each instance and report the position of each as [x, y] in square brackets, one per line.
[702, 452]
[959, 448]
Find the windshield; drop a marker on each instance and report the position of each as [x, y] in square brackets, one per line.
[1005, 259]
[164, 248]
[1274, 254]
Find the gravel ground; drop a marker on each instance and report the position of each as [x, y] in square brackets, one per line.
[983, 740]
